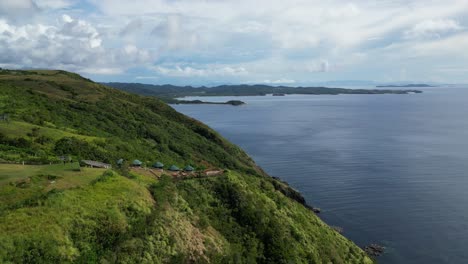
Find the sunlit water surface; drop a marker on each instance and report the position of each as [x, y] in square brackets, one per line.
[390, 169]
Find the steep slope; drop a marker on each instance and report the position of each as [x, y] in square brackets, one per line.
[65, 214]
[101, 123]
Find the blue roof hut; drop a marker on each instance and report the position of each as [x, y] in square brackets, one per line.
[189, 168]
[174, 168]
[137, 163]
[158, 165]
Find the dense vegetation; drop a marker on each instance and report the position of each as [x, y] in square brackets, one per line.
[169, 93]
[62, 213]
[59, 113]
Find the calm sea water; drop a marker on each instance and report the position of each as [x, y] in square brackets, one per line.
[389, 169]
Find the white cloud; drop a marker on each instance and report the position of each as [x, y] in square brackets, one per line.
[316, 66]
[433, 28]
[17, 8]
[207, 71]
[174, 32]
[300, 39]
[54, 4]
[102, 71]
[452, 47]
[72, 44]
[17, 4]
[146, 77]
[454, 70]
[280, 81]
[132, 27]
[80, 30]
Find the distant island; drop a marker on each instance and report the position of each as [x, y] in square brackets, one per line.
[231, 102]
[405, 85]
[171, 93]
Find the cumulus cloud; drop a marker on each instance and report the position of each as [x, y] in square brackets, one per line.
[174, 33]
[280, 81]
[132, 27]
[316, 66]
[54, 4]
[79, 30]
[72, 44]
[206, 71]
[300, 39]
[433, 28]
[17, 8]
[453, 47]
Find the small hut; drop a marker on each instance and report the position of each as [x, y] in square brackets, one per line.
[189, 168]
[120, 162]
[137, 163]
[158, 165]
[96, 164]
[174, 168]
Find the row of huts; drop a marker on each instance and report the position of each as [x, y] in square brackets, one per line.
[158, 165]
[135, 163]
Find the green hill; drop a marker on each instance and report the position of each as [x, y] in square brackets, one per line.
[54, 212]
[170, 93]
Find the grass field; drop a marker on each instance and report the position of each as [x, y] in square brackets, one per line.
[69, 173]
[22, 184]
[18, 128]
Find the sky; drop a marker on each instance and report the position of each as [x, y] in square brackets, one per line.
[210, 42]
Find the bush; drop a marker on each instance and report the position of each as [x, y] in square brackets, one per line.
[104, 177]
[80, 148]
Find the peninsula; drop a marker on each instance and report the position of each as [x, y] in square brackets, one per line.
[170, 93]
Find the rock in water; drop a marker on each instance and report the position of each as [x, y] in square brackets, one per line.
[374, 250]
[337, 229]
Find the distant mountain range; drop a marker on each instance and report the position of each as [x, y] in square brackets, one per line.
[416, 85]
[170, 93]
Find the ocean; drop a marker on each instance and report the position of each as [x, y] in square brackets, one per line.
[388, 169]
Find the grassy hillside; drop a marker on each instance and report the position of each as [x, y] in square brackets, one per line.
[61, 213]
[56, 113]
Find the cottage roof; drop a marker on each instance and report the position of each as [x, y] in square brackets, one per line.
[158, 165]
[96, 164]
[189, 168]
[174, 168]
[137, 162]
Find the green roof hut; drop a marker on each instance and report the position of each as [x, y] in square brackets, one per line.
[120, 162]
[137, 163]
[189, 168]
[174, 168]
[158, 165]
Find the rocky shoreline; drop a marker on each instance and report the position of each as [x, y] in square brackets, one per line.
[373, 250]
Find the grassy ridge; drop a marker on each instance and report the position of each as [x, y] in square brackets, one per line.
[55, 114]
[61, 213]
